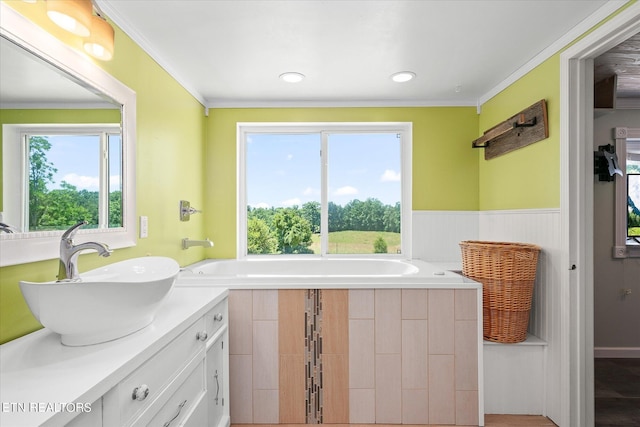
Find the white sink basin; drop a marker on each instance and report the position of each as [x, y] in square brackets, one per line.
[108, 303]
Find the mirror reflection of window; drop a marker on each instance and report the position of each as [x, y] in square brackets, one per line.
[73, 176]
[633, 189]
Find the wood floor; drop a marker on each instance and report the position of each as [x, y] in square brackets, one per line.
[489, 421]
[617, 390]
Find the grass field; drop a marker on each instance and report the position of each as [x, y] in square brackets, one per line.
[357, 242]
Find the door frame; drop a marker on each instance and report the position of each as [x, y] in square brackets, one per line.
[576, 211]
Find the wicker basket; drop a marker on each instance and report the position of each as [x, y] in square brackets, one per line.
[507, 272]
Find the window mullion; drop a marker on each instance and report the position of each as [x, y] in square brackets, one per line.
[103, 195]
[324, 195]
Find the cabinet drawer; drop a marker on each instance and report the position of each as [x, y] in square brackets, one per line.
[93, 418]
[157, 372]
[216, 317]
[181, 405]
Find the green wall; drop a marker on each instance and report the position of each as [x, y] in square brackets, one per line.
[529, 177]
[445, 167]
[170, 143]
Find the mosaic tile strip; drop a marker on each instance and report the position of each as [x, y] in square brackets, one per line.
[313, 352]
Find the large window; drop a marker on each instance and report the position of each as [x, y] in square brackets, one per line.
[60, 190]
[324, 189]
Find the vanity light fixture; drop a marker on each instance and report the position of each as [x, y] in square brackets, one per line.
[292, 77]
[71, 15]
[403, 76]
[99, 44]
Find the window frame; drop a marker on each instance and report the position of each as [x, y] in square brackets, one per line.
[405, 129]
[623, 248]
[16, 169]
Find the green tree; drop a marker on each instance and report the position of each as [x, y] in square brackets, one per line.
[293, 233]
[311, 212]
[391, 218]
[40, 174]
[115, 209]
[260, 239]
[336, 217]
[63, 208]
[379, 246]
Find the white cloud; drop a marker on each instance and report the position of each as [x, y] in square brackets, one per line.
[346, 191]
[310, 191]
[263, 205]
[390, 175]
[289, 156]
[291, 202]
[82, 182]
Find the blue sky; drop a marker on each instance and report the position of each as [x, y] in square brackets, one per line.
[65, 152]
[284, 169]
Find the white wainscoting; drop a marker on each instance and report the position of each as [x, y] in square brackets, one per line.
[437, 234]
[436, 238]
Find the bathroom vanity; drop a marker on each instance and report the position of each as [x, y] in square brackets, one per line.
[173, 372]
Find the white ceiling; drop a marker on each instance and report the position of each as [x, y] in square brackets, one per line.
[230, 53]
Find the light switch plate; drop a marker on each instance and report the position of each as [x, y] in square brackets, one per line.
[144, 227]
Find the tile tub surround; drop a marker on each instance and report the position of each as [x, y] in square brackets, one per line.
[384, 356]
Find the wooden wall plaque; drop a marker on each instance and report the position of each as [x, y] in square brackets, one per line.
[525, 128]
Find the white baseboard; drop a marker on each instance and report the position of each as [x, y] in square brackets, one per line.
[616, 352]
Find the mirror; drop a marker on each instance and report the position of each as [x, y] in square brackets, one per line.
[49, 92]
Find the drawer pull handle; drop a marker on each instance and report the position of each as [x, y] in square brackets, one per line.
[202, 336]
[140, 393]
[217, 387]
[180, 406]
[218, 317]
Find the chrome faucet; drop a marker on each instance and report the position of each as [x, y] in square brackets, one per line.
[69, 253]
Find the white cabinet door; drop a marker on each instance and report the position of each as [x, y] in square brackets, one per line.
[215, 381]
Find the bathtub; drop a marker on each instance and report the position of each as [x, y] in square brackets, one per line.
[320, 272]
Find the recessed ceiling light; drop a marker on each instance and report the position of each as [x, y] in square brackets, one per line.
[403, 76]
[292, 77]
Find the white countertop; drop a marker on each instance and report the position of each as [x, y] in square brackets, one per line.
[38, 371]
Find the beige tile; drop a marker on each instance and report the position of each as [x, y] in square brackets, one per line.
[361, 303]
[335, 321]
[335, 390]
[388, 329]
[414, 303]
[240, 321]
[466, 304]
[414, 354]
[292, 389]
[441, 321]
[265, 304]
[265, 355]
[415, 407]
[291, 333]
[241, 388]
[361, 354]
[361, 404]
[466, 357]
[467, 408]
[388, 389]
[441, 389]
[265, 406]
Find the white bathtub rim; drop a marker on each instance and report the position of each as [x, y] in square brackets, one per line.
[444, 279]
